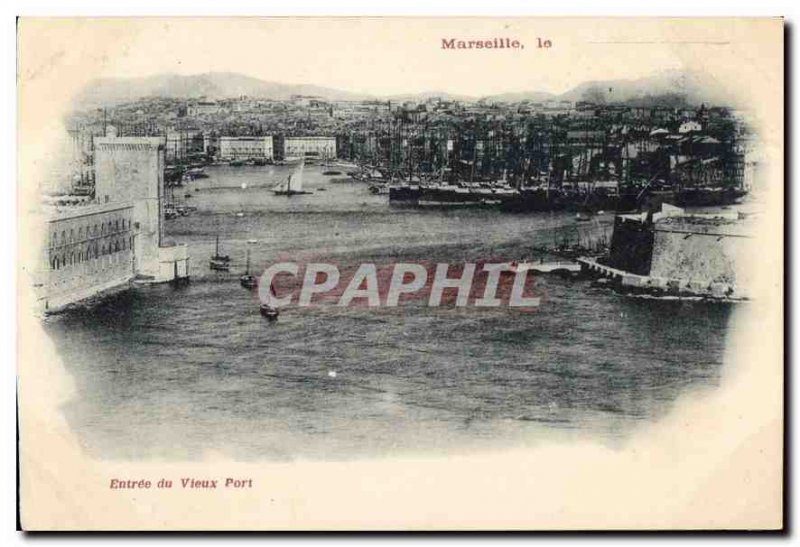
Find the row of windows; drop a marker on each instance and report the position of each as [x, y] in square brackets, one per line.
[89, 252]
[327, 148]
[97, 229]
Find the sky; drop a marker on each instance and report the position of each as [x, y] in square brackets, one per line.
[391, 56]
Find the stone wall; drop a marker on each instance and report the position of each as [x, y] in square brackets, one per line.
[698, 252]
[131, 169]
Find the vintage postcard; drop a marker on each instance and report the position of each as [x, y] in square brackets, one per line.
[400, 273]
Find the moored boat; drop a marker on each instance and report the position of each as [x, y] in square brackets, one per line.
[269, 312]
[248, 280]
[219, 262]
[219, 265]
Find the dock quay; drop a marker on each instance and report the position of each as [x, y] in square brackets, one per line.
[659, 286]
[561, 267]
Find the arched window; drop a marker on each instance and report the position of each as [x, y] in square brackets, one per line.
[94, 230]
[80, 233]
[103, 230]
[71, 235]
[63, 237]
[103, 251]
[116, 225]
[71, 259]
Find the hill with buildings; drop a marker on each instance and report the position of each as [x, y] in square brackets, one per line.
[670, 88]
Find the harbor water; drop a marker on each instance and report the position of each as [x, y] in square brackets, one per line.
[165, 372]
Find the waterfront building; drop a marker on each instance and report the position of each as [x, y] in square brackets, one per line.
[310, 147]
[245, 148]
[89, 250]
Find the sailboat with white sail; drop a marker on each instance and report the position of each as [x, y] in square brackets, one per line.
[293, 184]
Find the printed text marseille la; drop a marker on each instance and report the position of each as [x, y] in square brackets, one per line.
[492, 43]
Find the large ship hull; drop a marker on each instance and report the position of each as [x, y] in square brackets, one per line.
[528, 200]
[544, 200]
[404, 194]
[707, 197]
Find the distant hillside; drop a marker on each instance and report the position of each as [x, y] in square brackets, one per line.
[532, 96]
[427, 95]
[214, 85]
[671, 88]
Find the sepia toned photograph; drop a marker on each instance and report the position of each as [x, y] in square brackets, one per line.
[400, 273]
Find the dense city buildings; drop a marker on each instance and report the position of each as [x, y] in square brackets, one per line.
[201, 108]
[526, 144]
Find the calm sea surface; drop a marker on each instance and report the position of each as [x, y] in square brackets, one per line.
[169, 372]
